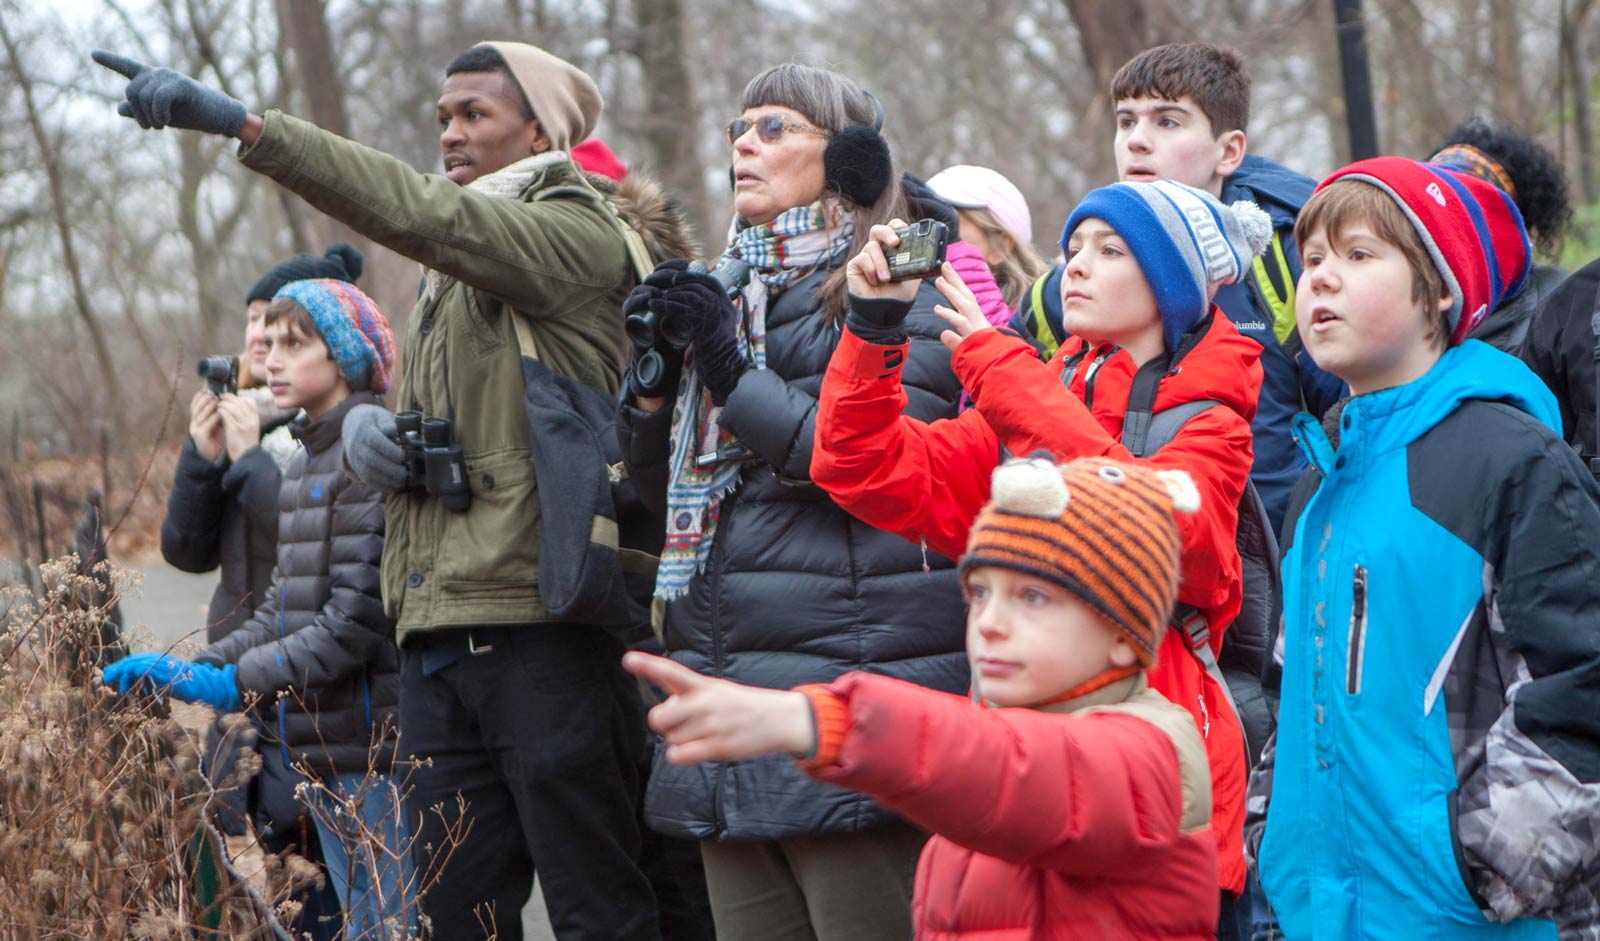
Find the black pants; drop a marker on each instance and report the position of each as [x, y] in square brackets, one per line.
[542, 736]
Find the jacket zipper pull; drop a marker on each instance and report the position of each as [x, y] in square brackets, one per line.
[926, 568]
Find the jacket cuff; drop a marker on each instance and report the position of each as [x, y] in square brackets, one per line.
[832, 719]
[872, 361]
[878, 319]
[978, 352]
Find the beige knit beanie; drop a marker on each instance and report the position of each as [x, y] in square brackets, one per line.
[565, 100]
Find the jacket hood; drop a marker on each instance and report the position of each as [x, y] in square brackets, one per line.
[646, 206]
[1393, 418]
[1272, 186]
[1223, 365]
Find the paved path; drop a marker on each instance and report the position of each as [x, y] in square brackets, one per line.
[171, 606]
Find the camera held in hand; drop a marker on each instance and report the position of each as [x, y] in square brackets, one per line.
[435, 464]
[221, 374]
[652, 331]
[920, 252]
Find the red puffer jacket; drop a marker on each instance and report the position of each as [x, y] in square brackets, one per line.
[1048, 827]
[927, 482]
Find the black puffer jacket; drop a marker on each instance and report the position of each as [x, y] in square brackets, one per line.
[225, 513]
[796, 590]
[1561, 348]
[321, 636]
[1506, 327]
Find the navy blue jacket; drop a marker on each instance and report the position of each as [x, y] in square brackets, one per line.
[1290, 381]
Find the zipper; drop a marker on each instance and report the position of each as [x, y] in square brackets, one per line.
[1094, 368]
[1358, 631]
[714, 574]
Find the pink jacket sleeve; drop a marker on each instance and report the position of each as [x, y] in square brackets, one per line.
[969, 263]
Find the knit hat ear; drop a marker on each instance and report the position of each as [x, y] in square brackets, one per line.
[355, 331]
[340, 261]
[1471, 229]
[1103, 530]
[1184, 240]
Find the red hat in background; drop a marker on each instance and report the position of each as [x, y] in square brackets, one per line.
[1471, 228]
[594, 156]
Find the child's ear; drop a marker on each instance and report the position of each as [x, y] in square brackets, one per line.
[1233, 151]
[1122, 654]
[1445, 303]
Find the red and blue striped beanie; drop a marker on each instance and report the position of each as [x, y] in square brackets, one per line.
[356, 332]
[1471, 229]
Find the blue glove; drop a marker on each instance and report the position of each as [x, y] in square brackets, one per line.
[215, 686]
[164, 98]
[156, 669]
[190, 682]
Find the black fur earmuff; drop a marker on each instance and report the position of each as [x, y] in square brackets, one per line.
[856, 163]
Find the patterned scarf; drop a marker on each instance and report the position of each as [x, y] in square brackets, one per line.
[778, 253]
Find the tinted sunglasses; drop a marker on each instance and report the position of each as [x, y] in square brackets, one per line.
[770, 127]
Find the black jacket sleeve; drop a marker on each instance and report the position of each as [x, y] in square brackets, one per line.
[646, 441]
[191, 533]
[351, 627]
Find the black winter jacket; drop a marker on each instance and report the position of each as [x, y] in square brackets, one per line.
[223, 513]
[795, 589]
[1560, 348]
[1506, 327]
[321, 638]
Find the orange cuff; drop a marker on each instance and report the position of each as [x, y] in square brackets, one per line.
[832, 719]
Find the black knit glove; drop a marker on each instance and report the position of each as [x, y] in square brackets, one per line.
[163, 98]
[713, 320]
[878, 319]
[926, 204]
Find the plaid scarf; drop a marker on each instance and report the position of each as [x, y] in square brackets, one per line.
[778, 253]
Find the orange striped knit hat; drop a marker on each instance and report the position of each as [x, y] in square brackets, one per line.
[1101, 529]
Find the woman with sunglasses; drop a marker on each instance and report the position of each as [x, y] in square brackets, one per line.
[766, 581]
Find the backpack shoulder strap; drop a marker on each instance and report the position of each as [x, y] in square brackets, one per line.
[1274, 283]
[638, 255]
[1145, 433]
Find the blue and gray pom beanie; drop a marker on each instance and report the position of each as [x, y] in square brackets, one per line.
[1183, 239]
[355, 331]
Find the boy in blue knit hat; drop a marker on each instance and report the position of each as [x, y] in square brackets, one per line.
[317, 660]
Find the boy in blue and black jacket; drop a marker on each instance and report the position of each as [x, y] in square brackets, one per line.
[1181, 110]
[1436, 768]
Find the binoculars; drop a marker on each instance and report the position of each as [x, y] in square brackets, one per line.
[435, 464]
[221, 373]
[651, 330]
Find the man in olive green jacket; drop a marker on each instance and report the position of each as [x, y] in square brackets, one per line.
[529, 719]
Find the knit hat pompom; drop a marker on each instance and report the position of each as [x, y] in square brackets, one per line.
[1029, 487]
[1254, 224]
[353, 328]
[1116, 549]
[342, 262]
[1184, 240]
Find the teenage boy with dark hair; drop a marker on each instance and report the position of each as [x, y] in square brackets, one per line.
[1436, 769]
[530, 719]
[1181, 112]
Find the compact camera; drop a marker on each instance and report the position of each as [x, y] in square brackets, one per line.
[221, 373]
[920, 252]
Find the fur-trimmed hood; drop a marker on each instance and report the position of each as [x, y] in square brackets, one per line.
[647, 207]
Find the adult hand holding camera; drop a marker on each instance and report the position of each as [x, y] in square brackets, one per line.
[205, 425]
[159, 97]
[370, 449]
[241, 425]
